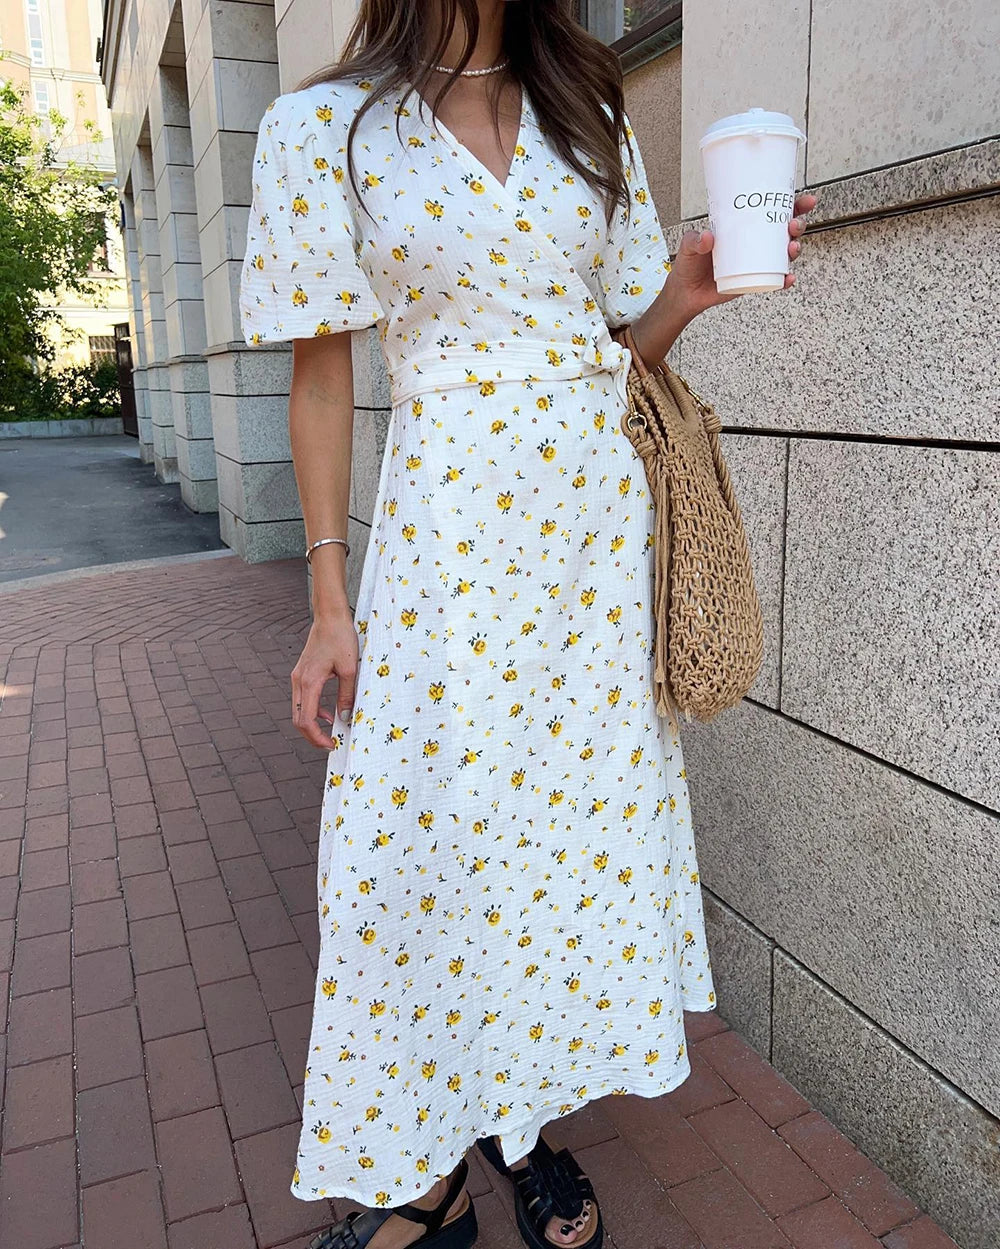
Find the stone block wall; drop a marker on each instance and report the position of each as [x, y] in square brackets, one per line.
[848, 813]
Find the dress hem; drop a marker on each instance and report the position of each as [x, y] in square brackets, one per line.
[537, 1122]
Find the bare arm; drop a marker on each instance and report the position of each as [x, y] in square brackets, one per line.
[321, 430]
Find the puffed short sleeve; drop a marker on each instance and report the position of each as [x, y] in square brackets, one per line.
[636, 260]
[301, 274]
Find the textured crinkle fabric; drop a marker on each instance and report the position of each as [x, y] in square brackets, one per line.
[510, 911]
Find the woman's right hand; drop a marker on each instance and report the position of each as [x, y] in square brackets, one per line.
[331, 650]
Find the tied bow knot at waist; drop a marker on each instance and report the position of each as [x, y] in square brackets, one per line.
[538, 361]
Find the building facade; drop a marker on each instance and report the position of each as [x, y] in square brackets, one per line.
[847, 812]
[50, 50]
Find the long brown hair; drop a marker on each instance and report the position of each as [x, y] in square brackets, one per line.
[569, 74]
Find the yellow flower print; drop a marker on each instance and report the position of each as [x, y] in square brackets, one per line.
[324, 113]
[496, 257]
[428, 1068]
[300, 206]
[556, 288]
[536, 1031]
[400, 252]
[376, 1009]
[547, 449]
[475, 185]
[399, 796]
[408, 617]
[329, 987]
[435, 691]
[544, 402]
[555, 358]
[523, 224]
[435, 209]
[299, 298]
[487, 388]
[338, 174]
[367, 934]
[505, 500]
[478, 644]
[427, 903]
[323, 1133]
[371, 180]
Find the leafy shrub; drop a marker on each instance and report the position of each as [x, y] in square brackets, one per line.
[78, 391]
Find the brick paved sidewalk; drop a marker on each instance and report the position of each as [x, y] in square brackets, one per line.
[158, 826]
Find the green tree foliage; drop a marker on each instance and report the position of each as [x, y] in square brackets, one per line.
[52, 215]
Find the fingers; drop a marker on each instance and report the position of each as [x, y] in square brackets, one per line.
[306, 711]
[306, 690]
[345, 695]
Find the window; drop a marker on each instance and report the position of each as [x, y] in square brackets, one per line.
[102, 347]
[41, 92]
[102, 259]
[36, 46]
[637, 29]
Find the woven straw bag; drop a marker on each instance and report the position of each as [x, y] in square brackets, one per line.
[708, 628]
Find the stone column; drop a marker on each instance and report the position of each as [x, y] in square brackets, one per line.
[232, 75]
[154, 327]
[184, 308]
[137, 331]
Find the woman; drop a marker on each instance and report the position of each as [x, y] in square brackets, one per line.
[510, 911]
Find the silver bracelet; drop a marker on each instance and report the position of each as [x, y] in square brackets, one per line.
[323, 542]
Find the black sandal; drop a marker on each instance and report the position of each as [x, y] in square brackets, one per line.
[549, 1185]
[357, 1229]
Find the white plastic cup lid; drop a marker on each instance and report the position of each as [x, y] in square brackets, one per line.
[753, 121]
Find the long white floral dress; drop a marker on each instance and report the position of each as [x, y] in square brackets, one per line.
[510, 911]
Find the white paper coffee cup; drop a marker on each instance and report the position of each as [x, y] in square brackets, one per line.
[749, 162]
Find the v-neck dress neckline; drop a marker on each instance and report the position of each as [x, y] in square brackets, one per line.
[461, 150]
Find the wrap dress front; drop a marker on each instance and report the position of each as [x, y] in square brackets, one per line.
[509, 904]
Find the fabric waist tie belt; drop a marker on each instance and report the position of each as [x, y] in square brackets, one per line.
[538, 362]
